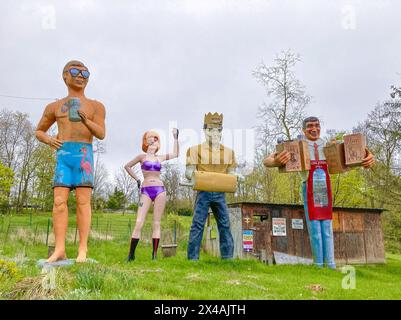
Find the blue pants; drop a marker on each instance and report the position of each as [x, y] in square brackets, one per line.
[321, 237]
[217, 202]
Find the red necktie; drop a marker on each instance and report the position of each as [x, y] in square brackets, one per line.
[316, 151]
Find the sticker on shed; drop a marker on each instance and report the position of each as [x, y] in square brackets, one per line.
[247, 240]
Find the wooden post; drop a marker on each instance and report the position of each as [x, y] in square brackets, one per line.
[8, 230]
[129, 227]
[236, 230]
[48, 230]
[75, 237]
[34, 235]
[175, 231]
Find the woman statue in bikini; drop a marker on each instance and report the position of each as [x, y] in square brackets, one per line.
[152, 189]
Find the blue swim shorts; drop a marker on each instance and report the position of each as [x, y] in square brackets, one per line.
[74, 167]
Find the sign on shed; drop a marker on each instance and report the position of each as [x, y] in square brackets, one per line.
[279, 227]
[297, 224]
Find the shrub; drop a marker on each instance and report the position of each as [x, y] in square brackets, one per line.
[185, 212]
[133, 206]
[9, 270]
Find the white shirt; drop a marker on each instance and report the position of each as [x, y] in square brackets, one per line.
[320, 144]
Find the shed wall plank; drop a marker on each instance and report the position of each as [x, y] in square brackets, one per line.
[355, 248]
[353, 222]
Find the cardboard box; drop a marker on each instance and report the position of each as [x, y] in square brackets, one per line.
[354, 149]
[335, 157]
[300, 158]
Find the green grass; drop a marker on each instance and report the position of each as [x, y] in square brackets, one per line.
[177, 278]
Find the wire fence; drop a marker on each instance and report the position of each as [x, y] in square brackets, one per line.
[39, 230]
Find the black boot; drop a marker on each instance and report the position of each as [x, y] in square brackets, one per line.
[131, 255]
[155, 242]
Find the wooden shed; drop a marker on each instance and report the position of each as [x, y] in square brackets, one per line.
[263, 230]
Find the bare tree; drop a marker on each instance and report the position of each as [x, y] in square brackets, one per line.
[13, 125]
[100, 176]
[27, 165]
[101, 184]
[383, 131]
[283, 115]
[126, 184]
[171, 176]
[16, 148]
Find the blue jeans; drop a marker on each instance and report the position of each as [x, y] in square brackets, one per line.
[321, 237]
[217, 202]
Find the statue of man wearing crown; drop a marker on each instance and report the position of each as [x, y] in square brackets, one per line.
[211, 167]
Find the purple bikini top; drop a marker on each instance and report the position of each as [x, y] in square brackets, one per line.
[151, 166]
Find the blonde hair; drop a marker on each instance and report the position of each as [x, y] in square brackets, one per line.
[146, 135]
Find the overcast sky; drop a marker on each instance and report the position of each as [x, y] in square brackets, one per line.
[153, 62]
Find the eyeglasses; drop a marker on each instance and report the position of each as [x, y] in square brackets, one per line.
[214, 129]
[74, 72]
[311, 126]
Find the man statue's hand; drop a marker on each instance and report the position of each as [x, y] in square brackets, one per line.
[369, 160]
[83, 116]
[55, 143]
[282, 158]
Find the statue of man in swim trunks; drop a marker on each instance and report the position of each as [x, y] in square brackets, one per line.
[78, 119]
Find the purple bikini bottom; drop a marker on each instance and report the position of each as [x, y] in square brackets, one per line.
[152, 191]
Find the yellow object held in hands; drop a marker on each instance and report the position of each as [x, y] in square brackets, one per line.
[215, 182]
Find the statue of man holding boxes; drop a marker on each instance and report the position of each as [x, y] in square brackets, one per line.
[210, 166]
[316, 190]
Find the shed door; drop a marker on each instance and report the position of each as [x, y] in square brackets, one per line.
[262, 239]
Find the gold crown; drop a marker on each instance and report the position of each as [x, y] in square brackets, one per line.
[213, 120]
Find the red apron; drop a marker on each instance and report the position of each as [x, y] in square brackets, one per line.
[318, 188]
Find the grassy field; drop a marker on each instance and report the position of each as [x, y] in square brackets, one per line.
[177, 278]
